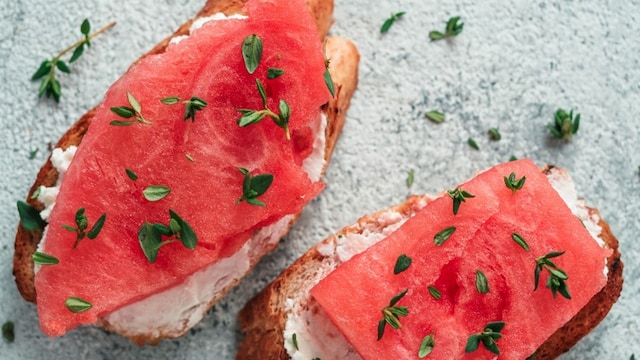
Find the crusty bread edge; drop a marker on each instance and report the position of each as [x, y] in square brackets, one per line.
[264, 318]
[344, 70]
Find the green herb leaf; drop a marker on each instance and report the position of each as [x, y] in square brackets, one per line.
[30, 219]
[150, 240]
[192, 106]
[294, 339]
[473, 144]
[452, 29]
[391, 313]
[273, 73]
[487, 337]
[186, 235]
[252, 52]
[459, 196]
[262, 92]
[8, 331]
[97, 227]
[62, 66]
[36, 192]
[520, 241]
[410, 178]
[397, 297]
[443, 235]
[329, 82]
[556, 281]
[156, 192]
[513, 158]
[170, 100]
[121, 123]
[132, 175]
[85, 28]
[494, 134]
[426, 346]
[44, 259]
[77, 52]
[402, 263]
[387, 23]
[77, 305]
[135, 105]
[189, 157]
[514, 184]
[381, 326]
[435, 116]
[482, 285]
[123, 111]
[33, 153]
[565, 125]
[435, 292]
[44, 69]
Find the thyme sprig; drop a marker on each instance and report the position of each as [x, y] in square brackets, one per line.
[191, 106]
[150, 235]
[487, 337]
[452, 29]
[82, 223]
[390, 314]
[514, 184]
[254, 186]
[564, 125]
[459, 196]
[250, 117]
[556, 281]
[50, 86]
[128, 112]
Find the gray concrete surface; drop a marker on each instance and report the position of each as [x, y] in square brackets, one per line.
[514, 64]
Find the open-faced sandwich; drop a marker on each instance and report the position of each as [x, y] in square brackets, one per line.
[510, 265]
[196, 163]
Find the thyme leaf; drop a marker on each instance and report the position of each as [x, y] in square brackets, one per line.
[30, 218]
[514, 184]
[426, 346]
[435, 116]
[82, 223]
[77, 305]
[8, 331]
[156, 192]
[274, 73]
[556, 281]
[44, 259]
[134, 110]
[564, 125]
[520, 241]
[487, 337]
[443, 235]
[254, 186]
[482, 285]
[402, 263]
[459, 196]
[435, 292]
[391, 313]
[252, 52]
[452, 29]
[392, 19]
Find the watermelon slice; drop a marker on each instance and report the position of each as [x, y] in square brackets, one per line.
[196, 159]
[448, 302]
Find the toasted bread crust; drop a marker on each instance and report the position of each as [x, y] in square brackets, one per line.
[264, 318]
[344, 70]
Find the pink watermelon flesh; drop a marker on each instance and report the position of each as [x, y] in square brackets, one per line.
[354, 294]
[112, 271]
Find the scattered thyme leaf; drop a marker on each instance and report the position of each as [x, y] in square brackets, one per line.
[254, 186]
[482, 285]
[44, 259]
[294, 339]
[82, 223]
[392, 19]
[565, 125]
[435, 292]
[77, 305]
[487, 337]
[132, 175]
[452, 29]
[494, 134]
[520, 241]
[156, 192]
[391, 313]
[274, 73]
[126, 112]
[30, 218]
[410, 178]
[252, 52]
[8, 331]
[426, 346]
[33, 153]
[514, 184]
[443, 235]
[459, 196]
[435, 116]
[473, 144]
[402, 263]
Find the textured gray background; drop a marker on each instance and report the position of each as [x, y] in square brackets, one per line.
[514, 64]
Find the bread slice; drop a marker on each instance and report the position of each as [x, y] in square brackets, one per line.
[267, 320]
[344, 69]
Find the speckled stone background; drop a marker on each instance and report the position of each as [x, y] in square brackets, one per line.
[514, 64]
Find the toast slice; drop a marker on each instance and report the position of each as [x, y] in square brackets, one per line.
[285, 307]
[344, 69]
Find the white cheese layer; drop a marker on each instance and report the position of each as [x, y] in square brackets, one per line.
[197, 24]
[317, 336]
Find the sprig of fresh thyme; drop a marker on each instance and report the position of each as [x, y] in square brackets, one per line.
[50, 86]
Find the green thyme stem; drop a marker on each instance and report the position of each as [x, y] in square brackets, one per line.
[82, 41]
